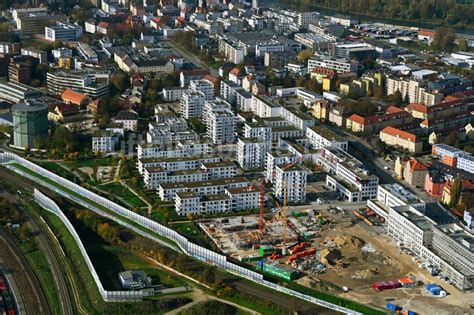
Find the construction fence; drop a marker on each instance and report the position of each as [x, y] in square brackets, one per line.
[189, 248]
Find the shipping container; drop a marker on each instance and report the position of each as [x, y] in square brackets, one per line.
[266, 250]
[406, 282]
[386, 285]
[280, 271]
[391, 307]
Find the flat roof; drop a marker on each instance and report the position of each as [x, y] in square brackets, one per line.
[213, 182]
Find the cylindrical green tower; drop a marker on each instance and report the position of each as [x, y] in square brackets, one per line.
[30, 121]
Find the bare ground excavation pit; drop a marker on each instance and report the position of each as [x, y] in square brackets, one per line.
[356, 260]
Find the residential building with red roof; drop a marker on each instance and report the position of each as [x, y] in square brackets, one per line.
[401, 139]
[393, 116]
[443, 109]
[75, 98]
[415, 173]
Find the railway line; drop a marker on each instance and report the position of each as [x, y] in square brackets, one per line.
[59, 275]
[25, 284]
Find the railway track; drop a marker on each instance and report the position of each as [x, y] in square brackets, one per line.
[18, 267]
[59, 275]
[56, 270]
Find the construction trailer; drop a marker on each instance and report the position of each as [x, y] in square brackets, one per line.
[278, 270]
[386, 285]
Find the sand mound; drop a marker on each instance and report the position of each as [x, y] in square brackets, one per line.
[330, 256]
[349, 241]
[364, 274]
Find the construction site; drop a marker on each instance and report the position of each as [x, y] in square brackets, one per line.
[331, 247]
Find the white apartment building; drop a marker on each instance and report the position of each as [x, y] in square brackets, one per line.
[190, 203]
[270, 47]
[321, 137]
[306, 18]
[203, 86]
[231, 52]
[167, 192]
[243, 100]
[292, 180]
[153, 176]
[41, 55]
[251, 153]
[286, 132]
[222, 169]
[275, 158]
[265, 107]
[347, 175]
[393, 195]
[187, 203]
[413, 90]
[173, 94]
[128, 120]
[410, 227]
[315, 42]
[176, 164]
[258, 130]
[181, 149]
[166, 136]
[104, 142]
[191, 104]
[221, 126]
[297, 118]
[244, 198]
[216, 104]
[15, 92]
[229, 91]
[62, 52]
[63, 32]
[340, 65]
[87, 52]
[93, 84]
[454, 157]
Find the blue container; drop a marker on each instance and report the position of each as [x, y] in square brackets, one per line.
[411, 313]
[391, 307]
[435, 291]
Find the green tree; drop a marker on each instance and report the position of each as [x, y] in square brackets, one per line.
[61, 138]
[444, 39]
[456, 192]
[120, 81]
[462, 46]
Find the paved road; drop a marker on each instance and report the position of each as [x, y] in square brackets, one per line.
[193, 58]
[31, 299]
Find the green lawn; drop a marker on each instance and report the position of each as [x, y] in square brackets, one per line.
[92, 162]
[118, 190]
[58, 170]
[193, 233]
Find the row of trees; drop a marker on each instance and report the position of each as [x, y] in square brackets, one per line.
[446, 12]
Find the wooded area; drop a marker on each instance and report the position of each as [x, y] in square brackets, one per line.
[443, 12]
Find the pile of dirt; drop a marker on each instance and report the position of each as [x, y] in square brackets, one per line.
[364, 274]
[349, 241]
[330, 256]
